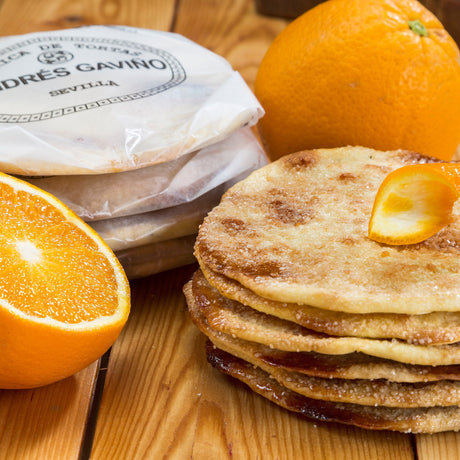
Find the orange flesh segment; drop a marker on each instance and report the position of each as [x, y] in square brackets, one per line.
[49, 267]
[414, 202]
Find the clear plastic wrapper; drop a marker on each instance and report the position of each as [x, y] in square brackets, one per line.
[104, 196]
[168, 223]
[105, 99]
[157, 257]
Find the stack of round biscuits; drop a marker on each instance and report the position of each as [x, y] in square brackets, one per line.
[298, 302]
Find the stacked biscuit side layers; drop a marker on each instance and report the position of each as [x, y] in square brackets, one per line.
[298, 303]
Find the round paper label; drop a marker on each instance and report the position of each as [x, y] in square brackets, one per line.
[104, 99]
[69, 66]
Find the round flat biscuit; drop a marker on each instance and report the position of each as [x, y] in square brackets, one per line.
[350, 366]
[409, 420]
[429, 328]
[296, 231]
[366, 392]
[237, 320]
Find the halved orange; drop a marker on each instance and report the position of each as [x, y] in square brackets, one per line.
[414, 202]
[64, 297]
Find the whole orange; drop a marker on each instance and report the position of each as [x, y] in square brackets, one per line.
[377, 73]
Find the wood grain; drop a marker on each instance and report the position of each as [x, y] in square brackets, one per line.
[163, 400]
[48, 422]
[230, 28]
[39, 15]
[445, 446]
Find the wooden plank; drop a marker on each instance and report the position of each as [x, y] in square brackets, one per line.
[38, 15]
[445, 446]
[141, 409]
[161, 396]
[162, 399]
[48, 422]
[230, 28]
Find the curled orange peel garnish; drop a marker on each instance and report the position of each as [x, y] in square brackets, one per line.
[414, 202]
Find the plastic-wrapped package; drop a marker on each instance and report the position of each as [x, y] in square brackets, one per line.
[138, 131]
[157, 257]
[103, 196]
[163, 224]
[105, 99]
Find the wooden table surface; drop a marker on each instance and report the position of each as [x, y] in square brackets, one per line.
[155, 396]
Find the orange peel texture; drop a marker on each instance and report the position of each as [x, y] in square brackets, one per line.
[414, 202]
[374, 73]
[64, 297]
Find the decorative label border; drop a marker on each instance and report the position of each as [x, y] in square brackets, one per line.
[178, 75]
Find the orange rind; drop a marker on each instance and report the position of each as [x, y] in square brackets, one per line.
[390, 60]
[414, 203]
[64, 297]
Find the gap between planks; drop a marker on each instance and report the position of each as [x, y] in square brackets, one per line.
[98, 389]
